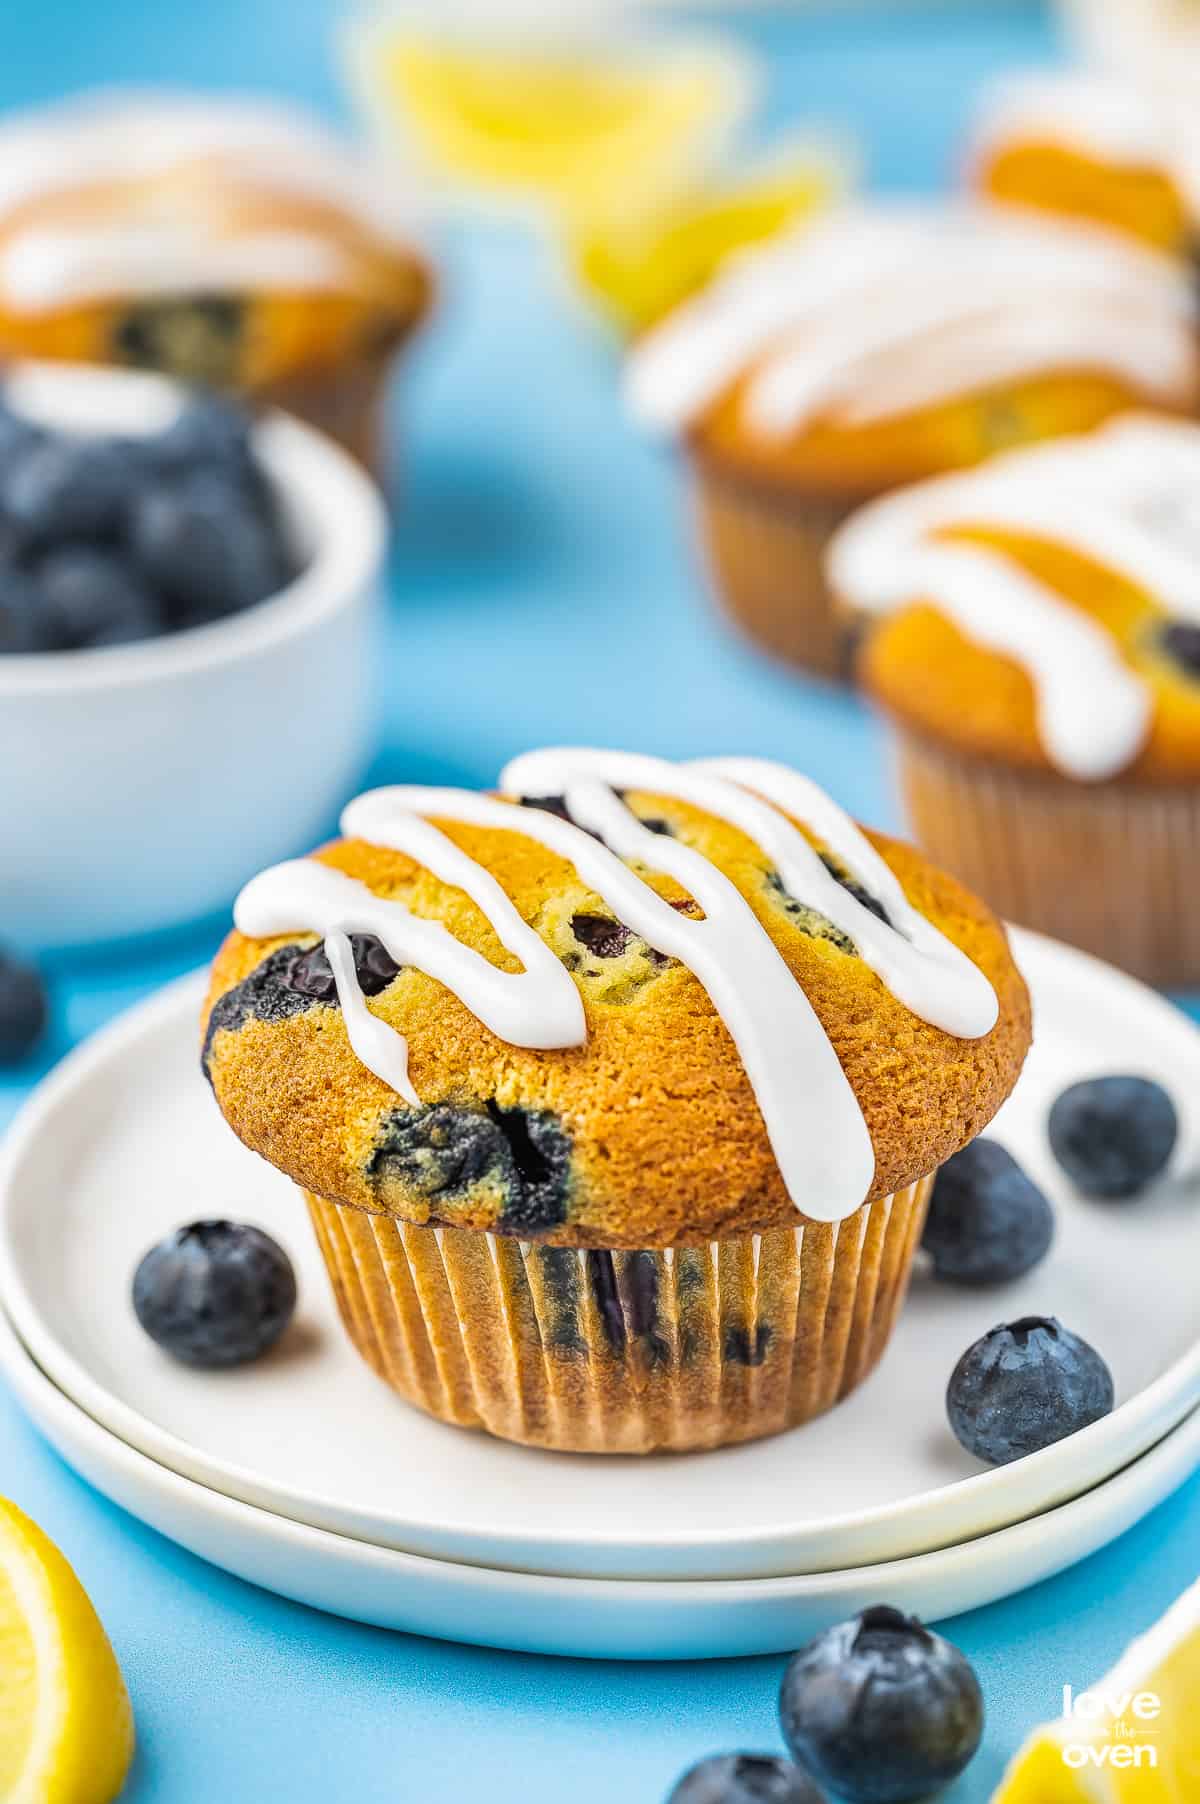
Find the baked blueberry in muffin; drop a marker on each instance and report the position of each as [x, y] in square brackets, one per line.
[614, 1137]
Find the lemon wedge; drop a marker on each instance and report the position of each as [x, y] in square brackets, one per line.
[66, 1727]
[1132, 1739]
[555, 124]
[638, 263]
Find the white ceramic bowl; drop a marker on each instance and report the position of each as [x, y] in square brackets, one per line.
[141, 784]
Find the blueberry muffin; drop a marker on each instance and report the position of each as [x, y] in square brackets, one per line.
[616, 1098]
[886, 345]
[223, 241]
[1032, 631]
[1091, 147]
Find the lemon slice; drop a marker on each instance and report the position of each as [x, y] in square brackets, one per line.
[567, 126]
[639, 263]
[1132, 1739]
[66, 1727]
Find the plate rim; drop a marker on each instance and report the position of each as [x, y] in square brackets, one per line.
[1122, 1500]
[966, 1508]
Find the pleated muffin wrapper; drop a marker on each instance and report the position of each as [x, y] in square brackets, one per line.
[766, 549]
[1110, 867]
[623, 1352]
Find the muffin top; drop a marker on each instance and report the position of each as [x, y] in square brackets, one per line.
[626, 1003]
[1044, 610]
[1090, 146]
[166, 199]
[891, 343]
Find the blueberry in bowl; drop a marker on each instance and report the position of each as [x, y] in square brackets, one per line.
[228, 576]
[881, 1710]
[1023, 1387]
[215, 1293]
[1113, 1136]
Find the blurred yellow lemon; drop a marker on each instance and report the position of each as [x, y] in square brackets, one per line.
[567, 126]
[1132, 1739]
[639, 262]
[66, 1727]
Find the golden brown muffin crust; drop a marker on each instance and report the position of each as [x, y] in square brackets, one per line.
[927, 673]
[649, 1134]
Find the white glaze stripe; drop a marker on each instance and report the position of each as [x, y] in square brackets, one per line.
[812, 1117]
[1126, 498]
[877, 312]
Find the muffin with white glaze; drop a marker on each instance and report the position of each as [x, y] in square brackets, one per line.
[1032, 630]
[226, 241]
[615, 1098]
[884, 345]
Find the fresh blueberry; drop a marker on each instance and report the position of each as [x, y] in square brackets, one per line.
[880, 1709]
[206, 548]
[746, 1779]
[210, 430]
[91, 597]
[216, 1293]
[1024, 1386]
[23, 1009]
[374, 967]
[61, 487]
[1113, 1135]
[24, 626]
[987, 1221]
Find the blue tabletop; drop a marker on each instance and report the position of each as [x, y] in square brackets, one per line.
[544, 588]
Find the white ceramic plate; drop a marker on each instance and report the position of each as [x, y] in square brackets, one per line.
[124, 1141]
[619, 1619]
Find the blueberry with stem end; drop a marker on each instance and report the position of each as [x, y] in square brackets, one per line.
[746, 1779]
[1024, 1386]
[987, 1222]
[1113, 1135]
[215, 1293]
[880, 1709]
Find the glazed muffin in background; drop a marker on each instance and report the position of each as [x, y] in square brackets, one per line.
[885, 345]
[228, 242]
[1092, 148]
[615, 1099]
[1034, 636]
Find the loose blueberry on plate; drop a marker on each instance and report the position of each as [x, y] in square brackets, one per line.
[1113, 1135]
[1024, 1386]
[746, 1779]
[23, 1009]
[987, 1221]
[880, 1709]
[215, 1293]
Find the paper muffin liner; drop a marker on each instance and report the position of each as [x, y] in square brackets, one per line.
[623, 1352]
[1108, 867]
[766, 551]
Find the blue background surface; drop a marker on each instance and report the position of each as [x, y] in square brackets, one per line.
[544, 588]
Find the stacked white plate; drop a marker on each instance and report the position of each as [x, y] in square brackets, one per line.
[305, 1474]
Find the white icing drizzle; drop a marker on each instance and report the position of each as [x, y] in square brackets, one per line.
[812, 1117]
[878, 311]
[147, 238]
[1126, 497]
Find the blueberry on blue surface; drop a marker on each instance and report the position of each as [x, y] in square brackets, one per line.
[1024, 1386]
[215, 1293]
[987, 1221]
[206, 548]
[61, 487]
[23, 1009]
[881, 1710]
[1113, 1135]
[91, 597]
[746, 1779]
